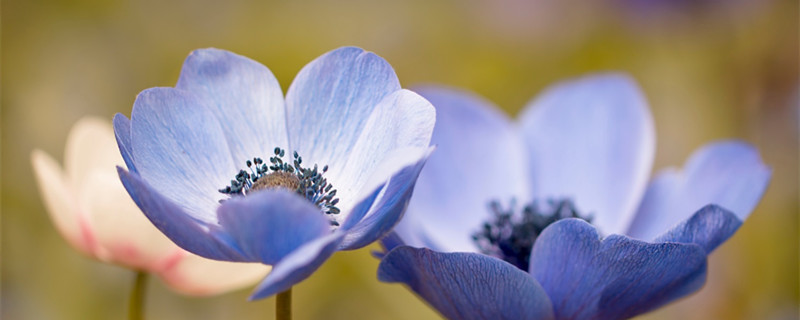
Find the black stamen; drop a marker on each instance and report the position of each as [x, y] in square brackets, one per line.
[312, 185]
[511, 238]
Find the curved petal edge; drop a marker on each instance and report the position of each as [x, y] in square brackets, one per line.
[591, 140]
[268, 225]
[467, 285]
[613, 278]
[297, 266]
[392, 200]
[708, 228]
[188, 233]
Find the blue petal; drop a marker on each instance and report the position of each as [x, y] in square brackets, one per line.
[708, 228]
[402, 119]
[122, 132]
[297, 266]
[467, 285]
[616, 278]
[243, 95]
[202, 239]
[361, 208]
[389, 242]
[393, 200]
[479, 159]
[268, 225]
[331, 99]
[728, 173]
[180, 150]
[592, 140]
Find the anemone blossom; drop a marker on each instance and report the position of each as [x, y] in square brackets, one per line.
[92, 211]
[553, 217]
[228, 169]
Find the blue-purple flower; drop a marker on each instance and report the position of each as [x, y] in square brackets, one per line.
[230, 170]
[552, 217]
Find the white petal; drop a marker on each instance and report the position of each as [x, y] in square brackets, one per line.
[60, 201]
[123, 232]
[90, 145]
[199, 276]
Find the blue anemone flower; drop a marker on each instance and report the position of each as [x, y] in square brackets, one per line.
[553, 217]
[230, 170]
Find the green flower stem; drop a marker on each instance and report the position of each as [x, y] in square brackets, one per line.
[283, 305]
[136, 301]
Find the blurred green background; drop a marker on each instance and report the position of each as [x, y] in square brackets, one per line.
[710, 69]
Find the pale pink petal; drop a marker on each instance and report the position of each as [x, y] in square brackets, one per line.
[59, 199]
[90, 207]
[90, 146]
[198, 276]
[123, 233]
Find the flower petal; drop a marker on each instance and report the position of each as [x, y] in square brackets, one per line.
[122, 132]
[401, 119]
[476, 143]
[194, 275]
[243, 95]
[331, 99]
[397, 174]
[60, 200]
[180, 150]
[124, 234]
[591, 140]
[90, 145]
[122, 231]
[389, 242]
[708, 228]
[360, 210]
[728, 173]
[467, 285]
[268, 225]
[297, 266]
[616, 278]
[206, 240]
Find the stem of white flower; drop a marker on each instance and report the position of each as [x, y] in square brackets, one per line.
[283, 305]
[136, 300]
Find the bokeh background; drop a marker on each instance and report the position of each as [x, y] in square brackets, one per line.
[710, 69]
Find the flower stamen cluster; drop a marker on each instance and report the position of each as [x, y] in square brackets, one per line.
[307, 182]
[511, 238]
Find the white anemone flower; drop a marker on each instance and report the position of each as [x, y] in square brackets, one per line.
[91, 209]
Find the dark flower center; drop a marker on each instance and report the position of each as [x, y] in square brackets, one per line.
[307, 182]
[511, 237]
